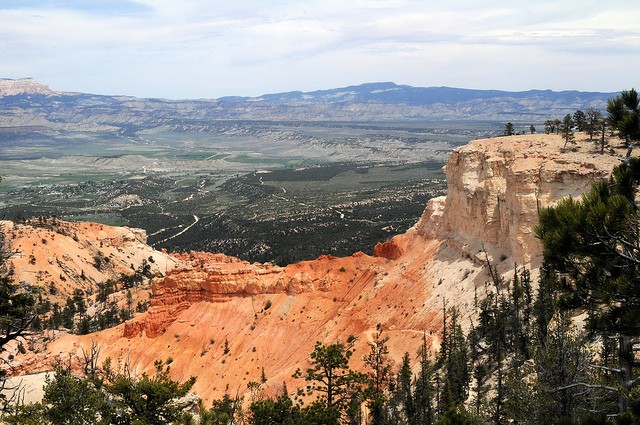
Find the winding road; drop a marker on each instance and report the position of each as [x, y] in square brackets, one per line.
[196, 219]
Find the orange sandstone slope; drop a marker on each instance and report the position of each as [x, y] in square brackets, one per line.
[270, 317]
[65, 256]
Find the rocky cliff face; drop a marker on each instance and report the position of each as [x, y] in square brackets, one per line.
[496, 188]
[270, 317]
[216, 278]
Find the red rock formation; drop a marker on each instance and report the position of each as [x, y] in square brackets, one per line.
[389, 250]
[213, 278]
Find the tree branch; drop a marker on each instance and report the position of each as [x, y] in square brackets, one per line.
[608, 369]
[585, 385]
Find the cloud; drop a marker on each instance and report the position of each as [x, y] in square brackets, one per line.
[258, 46]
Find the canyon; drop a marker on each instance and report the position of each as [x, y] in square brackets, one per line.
[227, 321]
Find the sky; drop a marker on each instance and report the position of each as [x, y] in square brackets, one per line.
[181, 49]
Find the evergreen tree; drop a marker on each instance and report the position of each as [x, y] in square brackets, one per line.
[17, 310]
[561, 362]
[595, 244]
[404, 391]
[17, 314]
[148, 400]
[227, 410]
[508, 129]
[544, 306]
[500, 344]
[456, 373]
[28, 414]
[624, 115]
[281, 411]
[580, 120]
[331, 378]
[379, 375]
[567, 131]
[74, 401]
[549, 126]
[557, 125]
[519, 395]
[593, 120]
[424, 392]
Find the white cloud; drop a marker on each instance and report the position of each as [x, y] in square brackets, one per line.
[196, 48]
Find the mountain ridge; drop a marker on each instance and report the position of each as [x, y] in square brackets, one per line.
[27, 102]
[390, 92]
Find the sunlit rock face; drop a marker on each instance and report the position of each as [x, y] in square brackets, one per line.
[496, 188]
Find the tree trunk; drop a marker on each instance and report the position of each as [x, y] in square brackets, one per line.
[625, 356]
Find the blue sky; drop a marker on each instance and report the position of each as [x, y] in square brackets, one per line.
[212, 48]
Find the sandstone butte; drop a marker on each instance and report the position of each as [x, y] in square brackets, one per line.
[10, 87]
[272, 316]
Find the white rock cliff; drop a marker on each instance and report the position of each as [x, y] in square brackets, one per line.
[496, 188]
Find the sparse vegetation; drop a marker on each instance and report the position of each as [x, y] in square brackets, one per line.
[279, 225]
[508, 129]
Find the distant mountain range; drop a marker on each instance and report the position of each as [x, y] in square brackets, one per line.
[28, 103]
[393, 94]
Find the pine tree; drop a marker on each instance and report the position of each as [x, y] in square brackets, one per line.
[593, 120]
[567, 131]
[561, 362]
[544, 306]
[508, 129]
[580, 120]
[624, 115]
[73, 400]
[17, 314]
[456, 374]
[424, 394]
[404, 391]
[331, 379]
[594, 244]
[379, 375]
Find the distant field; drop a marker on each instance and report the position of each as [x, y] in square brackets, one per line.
[263, 191]
[338, 209]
